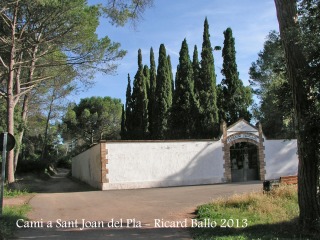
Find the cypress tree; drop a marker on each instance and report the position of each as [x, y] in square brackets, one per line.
[234, 97]
[151, 93]
[196, 83]
[123, 132]
[146, 73]
[196, 70]
[163, 96]
[171, 76]
[128, 110]
[183, 98]
[139, 116]
[206, 89]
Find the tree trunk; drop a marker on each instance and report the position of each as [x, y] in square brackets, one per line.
[10, 94]
[308, 170]
[10, 129]
[25, 107]
[44, 147]
[24, 116]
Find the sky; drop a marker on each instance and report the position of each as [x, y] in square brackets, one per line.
[170, 21]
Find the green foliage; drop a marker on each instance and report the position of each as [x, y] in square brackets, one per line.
[171, 77]
[266, 216]
[139, 104]
[64, 162]
[93, 119]
[206, 90]
[11, 192]
[182, 127]
[163, 96]
[151, 94]
[128, 112]
[34, 165]
[196, 71]
[123, 131]
[310, 22]
[270, 83]
[9, 218]
[234, 98]
[121, 11]
[146, 74]
[47, 35]
[300, 38]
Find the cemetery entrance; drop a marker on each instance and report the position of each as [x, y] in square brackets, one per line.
[244, 162]
[243, 152]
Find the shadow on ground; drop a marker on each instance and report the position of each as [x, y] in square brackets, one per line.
[107, 233]
[59, 183]
[283, 230]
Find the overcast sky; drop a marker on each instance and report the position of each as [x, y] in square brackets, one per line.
[170, 21]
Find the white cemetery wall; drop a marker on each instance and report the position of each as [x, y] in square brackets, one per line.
[162, 164]
[281, 158]
[87, 166]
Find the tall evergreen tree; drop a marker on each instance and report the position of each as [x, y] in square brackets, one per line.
[128, 110]
[183, 98]
[206, 89]
[170, 74]
[163, 97]
[234, 97]
[196, 83]
[139, 99]
[196, 69]
[152, 93]
[146, 73]
[123, 131]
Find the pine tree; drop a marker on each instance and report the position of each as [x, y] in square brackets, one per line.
[163, 96]
[128, 110]
[139, 115]
[183, 98]
[151, 93]
[206, 90]
[234, 97]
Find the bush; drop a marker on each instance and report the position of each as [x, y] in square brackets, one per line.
[64, 162]
[33, 166]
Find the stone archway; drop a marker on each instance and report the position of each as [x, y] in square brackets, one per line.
[253, 137]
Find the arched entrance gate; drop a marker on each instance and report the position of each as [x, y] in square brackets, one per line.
[243, 152]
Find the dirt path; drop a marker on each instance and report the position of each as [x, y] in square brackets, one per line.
[54, 184]
[118, 214]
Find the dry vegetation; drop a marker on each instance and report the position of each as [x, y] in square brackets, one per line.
[271, 215]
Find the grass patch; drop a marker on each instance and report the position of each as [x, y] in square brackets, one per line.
[252, 216]
[9, 218]
[13, 192]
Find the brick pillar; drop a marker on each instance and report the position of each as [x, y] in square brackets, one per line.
[104, 162]
[262, 164]
[226, 154]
